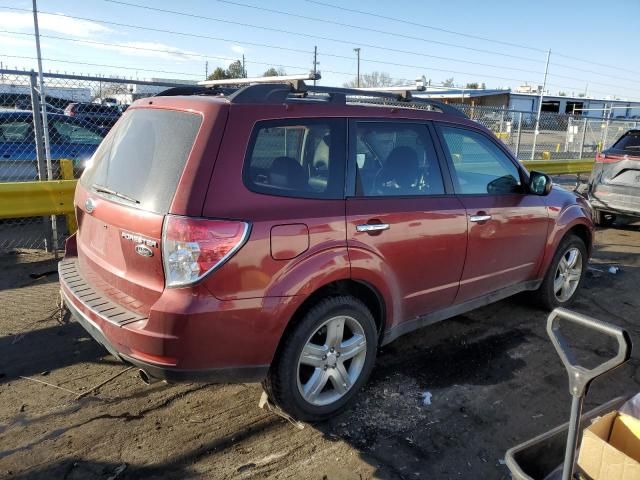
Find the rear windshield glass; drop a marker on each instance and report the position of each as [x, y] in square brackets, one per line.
[142, 158]
[630, 141]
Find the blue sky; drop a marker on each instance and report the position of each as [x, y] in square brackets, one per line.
[407, 49]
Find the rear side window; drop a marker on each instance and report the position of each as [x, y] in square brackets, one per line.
[302, 158]
[143, 156]
[630, 141]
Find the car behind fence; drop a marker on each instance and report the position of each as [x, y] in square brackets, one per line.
[82, 109]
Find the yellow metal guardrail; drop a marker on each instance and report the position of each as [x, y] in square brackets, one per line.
[559, 167]
[34, 199]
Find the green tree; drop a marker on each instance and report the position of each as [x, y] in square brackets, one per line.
[235, 70]
[562, 94]
[218, 74]
[472, 85]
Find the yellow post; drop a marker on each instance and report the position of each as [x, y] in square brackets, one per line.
[557, 148]
[546, 155]
[66, 172]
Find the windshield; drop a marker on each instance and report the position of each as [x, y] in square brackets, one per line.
[142, 158]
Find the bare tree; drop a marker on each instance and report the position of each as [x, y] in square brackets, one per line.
[372, 80]
[274, 72]
[448, 82]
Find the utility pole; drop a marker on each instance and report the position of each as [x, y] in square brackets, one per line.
[315, 64]
[244, 68]
[206, 70]
[544, 86]
[357, 50]
[45, 123]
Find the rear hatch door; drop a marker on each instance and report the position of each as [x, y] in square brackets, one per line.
[123, 196]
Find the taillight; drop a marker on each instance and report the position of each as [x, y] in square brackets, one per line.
[608, 158]
[194, 247]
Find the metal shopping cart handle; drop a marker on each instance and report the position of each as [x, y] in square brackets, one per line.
[579, 376]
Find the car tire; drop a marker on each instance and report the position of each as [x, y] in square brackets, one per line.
[294, 380]
[567, 276]
[603, 219]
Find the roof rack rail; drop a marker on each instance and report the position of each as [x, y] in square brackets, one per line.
[255, 80]
[293, 87]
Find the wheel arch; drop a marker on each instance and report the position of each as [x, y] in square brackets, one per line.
[361, 290]
[583, 233]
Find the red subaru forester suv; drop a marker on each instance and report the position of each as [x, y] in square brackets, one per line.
[283, 232]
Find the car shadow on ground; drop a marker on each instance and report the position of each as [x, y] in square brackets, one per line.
[42, 350]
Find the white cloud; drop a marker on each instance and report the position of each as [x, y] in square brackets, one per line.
[238, 49]
[52, 23]
[150, 49]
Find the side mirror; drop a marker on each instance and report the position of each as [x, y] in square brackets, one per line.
[539, 183]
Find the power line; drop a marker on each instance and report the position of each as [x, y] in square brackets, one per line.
[173, 32]
[404, 21]
[285, 48]
[308, 35]
[122, 67]
[591, 62]
[175, 12]
[171, 52]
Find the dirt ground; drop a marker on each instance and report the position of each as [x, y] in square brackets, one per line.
[494, 378]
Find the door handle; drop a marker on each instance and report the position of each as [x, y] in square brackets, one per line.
[479, 218]
[372, 227]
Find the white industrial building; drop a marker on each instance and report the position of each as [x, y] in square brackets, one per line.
[526, 99]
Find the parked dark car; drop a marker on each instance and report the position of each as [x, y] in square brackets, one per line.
[100, 115]
[269, 236]
[25, 104]
[69, 138]
[614, 186]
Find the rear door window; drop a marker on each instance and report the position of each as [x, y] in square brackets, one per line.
[396, 159]
[143, 157]
[302, 158]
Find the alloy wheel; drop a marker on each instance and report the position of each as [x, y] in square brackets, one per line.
[568, 274]
[332, 360]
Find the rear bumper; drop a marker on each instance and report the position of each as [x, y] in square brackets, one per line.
[616, 199]
[170, 375]
[188, 335]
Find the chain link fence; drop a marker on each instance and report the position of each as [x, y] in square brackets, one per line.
[560, 136]
[81, 110]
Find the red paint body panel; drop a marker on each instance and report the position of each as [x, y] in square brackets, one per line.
[422, 253]
[507, 249]
[430, 258]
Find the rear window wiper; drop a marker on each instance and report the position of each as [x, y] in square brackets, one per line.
[102, 189]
